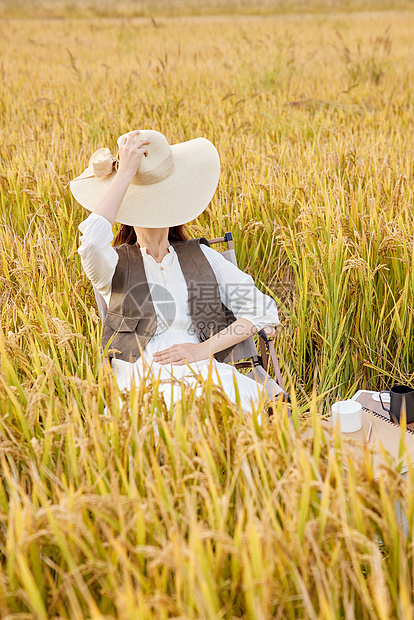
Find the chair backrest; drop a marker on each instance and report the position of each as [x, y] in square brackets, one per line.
[243, 350]
[230, 255]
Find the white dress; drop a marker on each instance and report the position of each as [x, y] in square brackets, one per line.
[237, 292]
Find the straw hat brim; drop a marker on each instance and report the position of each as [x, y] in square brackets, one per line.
[178, 199]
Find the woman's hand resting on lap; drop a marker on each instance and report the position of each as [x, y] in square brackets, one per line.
[182, 354]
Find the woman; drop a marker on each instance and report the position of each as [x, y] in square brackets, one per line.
[174, 305]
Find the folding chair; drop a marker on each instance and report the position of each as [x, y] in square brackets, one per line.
[244, 354]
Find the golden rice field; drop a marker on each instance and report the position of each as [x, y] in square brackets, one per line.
[218, 518]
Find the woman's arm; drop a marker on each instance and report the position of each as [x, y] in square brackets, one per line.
[180, 354]
[99, 259]
[239, 293]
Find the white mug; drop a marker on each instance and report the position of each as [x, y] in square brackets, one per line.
[349, 414]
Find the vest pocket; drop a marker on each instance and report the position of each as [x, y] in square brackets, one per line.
[120, 323]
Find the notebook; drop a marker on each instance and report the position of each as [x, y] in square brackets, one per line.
[384, 432]
[369, 403]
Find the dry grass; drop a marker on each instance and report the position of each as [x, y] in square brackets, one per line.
[219, 518]
[177, 8]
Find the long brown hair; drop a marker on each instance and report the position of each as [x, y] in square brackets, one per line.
[127, 234]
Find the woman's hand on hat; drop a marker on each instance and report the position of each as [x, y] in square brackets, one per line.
[182, 354]
[131, 152]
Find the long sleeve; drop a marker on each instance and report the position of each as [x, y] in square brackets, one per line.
[98, 257]
[239, 293]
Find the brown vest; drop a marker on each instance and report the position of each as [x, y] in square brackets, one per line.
[131, 320]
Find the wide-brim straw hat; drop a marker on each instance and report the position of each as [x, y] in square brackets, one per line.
[172, 186]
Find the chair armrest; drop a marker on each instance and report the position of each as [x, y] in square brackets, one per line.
[267, 332]
[267, 346]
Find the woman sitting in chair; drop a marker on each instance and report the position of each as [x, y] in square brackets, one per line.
[174, 304]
